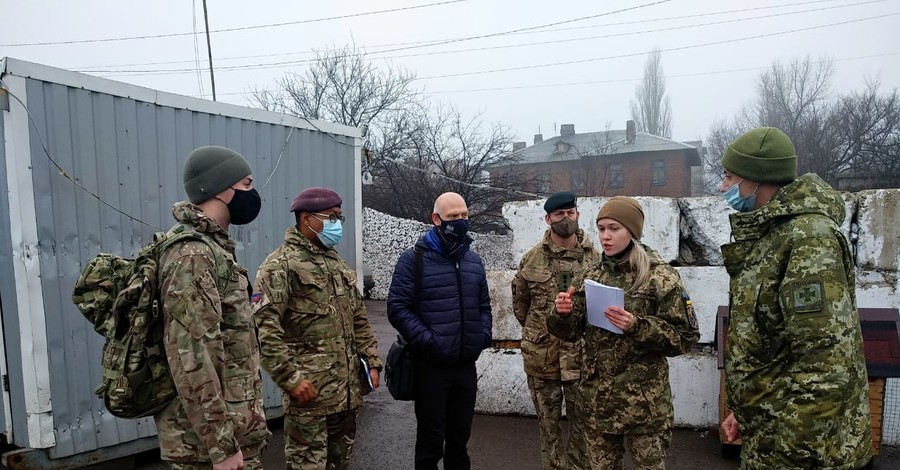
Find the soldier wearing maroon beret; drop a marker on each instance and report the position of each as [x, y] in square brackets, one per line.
[315, 337]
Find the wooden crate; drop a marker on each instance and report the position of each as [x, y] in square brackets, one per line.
[876, 408]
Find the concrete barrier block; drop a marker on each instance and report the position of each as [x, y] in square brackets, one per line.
[526, 219]
[708, 288]
[502, 388]
[695, 390]
[704, 229]
[661, 222]
[506, 327]
[877, 289]
[851, 206]
[879, 239]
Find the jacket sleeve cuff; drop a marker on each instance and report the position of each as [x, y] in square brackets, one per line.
[224, 449]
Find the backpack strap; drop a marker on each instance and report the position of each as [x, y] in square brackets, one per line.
[417, 278]
[167, 240]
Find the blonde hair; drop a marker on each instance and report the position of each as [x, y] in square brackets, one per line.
[639, 261]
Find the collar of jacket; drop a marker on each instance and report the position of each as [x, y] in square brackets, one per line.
[191, 214]
[582, 244]
[620, 263]
[808, 194]
[293, 236]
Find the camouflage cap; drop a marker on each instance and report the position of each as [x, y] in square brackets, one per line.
[315, 200]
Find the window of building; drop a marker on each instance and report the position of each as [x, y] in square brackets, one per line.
[658, 172]
[616, 176]
[577, 182]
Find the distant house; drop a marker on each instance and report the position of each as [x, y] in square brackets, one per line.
[606, 163]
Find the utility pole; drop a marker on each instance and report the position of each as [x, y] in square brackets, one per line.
[212, 76]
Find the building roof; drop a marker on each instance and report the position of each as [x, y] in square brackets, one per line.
[572, 147]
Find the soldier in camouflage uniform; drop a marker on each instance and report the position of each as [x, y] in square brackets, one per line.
[552, 366]
[794, 365]
[313, 330]
[217, 421]
[624, 395]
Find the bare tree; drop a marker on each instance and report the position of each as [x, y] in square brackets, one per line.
[341, 86]
[854, 134]
[867, 129]
[417, 151]
[651, 110]
[721, 133]
[441, 151]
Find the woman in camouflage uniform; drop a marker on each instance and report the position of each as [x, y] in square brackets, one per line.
[623, 395]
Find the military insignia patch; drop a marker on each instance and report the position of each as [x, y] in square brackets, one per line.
[256, 297]
[564, 280]
[808, 297]
[689, 307]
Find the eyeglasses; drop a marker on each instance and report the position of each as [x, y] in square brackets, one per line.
[330, 217]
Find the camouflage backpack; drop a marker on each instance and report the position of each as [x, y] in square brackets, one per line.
[121, 298]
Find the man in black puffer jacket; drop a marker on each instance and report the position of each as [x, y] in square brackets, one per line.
[448, 323]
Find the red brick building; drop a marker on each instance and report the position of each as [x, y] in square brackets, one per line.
[606, 163]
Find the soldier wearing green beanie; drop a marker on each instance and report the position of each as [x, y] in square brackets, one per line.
[218, 420]
[795, 373]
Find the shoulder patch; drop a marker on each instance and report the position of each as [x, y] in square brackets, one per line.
[689, 307]
[807, 296]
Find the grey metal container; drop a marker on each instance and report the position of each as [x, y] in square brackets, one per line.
[90, 165]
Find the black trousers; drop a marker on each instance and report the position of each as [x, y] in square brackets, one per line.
[445, 404]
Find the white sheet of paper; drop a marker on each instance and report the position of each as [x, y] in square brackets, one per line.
[598, 297]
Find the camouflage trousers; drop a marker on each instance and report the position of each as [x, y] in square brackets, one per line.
[319, 442]
[648, 451]
[251, 462]
[557, 453]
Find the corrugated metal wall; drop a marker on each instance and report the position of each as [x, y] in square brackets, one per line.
[131, 153]
[5, 259]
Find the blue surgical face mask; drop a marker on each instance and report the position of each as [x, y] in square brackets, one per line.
[331, 233]
[733, 197]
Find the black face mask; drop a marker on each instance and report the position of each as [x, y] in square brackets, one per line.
[453, 234]
[244, 206]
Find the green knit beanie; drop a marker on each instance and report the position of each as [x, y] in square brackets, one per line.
[210, 170]
[762, 155]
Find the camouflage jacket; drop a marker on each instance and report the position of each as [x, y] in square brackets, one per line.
[211, 347]
[624, 386]
[545, 270]
[313, 325]
[795, 370]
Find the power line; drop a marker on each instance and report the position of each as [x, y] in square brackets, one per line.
[621, 80]
[114, 73]
[648, 20]
[227, 30]
[671, 49]
[438, 43]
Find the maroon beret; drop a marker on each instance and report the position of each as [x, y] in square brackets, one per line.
[315, 200]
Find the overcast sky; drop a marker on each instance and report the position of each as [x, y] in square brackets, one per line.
[543, 63]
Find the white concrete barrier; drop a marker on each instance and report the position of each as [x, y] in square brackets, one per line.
[708, 288]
